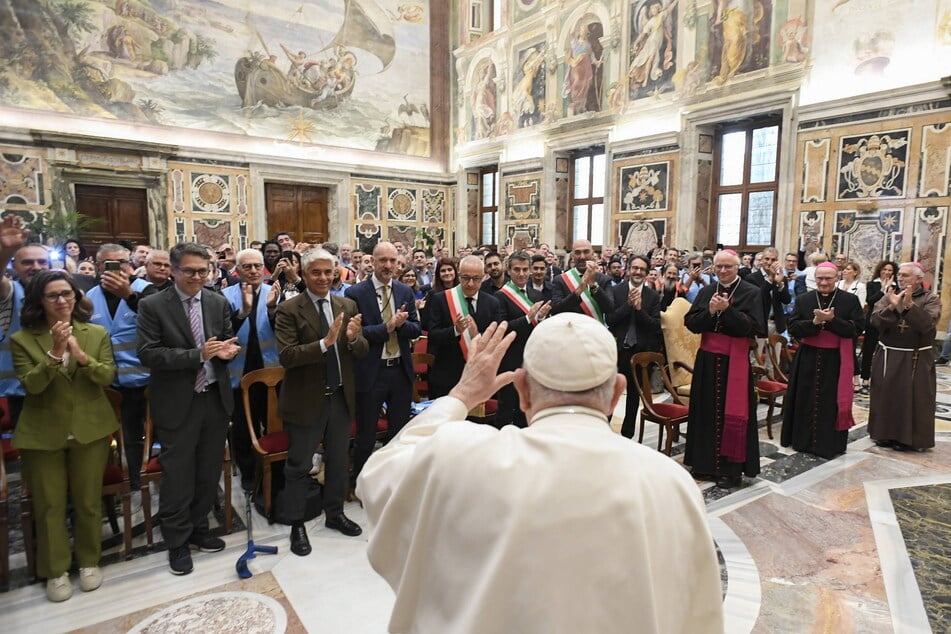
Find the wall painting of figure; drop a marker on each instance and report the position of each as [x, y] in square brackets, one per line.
[653, 49]
[483, 99]
[584, 68]
[528, 95]
[739, 37]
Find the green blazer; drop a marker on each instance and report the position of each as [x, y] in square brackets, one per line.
[63, 399]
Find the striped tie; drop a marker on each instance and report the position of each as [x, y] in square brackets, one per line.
[198, 332]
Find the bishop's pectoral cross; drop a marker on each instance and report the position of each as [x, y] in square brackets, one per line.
[902, 326]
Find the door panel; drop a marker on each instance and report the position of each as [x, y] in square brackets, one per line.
[299, 210]
[122, 211]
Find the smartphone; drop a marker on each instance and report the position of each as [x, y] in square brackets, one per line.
[111, 265]
[288, 255]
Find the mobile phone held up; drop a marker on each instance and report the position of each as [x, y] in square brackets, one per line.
[110, 265]
[288, 255]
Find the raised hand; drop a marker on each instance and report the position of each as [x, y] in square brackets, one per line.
[247, 297]
[229, 348]
[61, 331]
[333, 333]
[634, 298]
[485, 355]
[78, 353]
[353, 327]
[539, 311]
[719, 303]
[12, 234]
[590, 276]
[894, 299]
[272, 296]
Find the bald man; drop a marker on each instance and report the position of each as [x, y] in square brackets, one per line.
[582, 289]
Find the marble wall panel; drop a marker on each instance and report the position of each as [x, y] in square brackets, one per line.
[868, 238]
[412, 213]
[645, 199]
[929, 241]
[642, 235]
[208, 204]
[935, 160]
[23, 181]
[815, 168]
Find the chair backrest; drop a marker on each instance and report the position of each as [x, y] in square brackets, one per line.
[640, 370]
[421, 358]
[115, 399]
[270, 377]
[421, 345]
[779, 356]
[680, 344]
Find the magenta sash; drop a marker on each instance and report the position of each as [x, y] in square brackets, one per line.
[846, 346]
[737, 412]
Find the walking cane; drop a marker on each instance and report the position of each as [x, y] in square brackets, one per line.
[241, 566]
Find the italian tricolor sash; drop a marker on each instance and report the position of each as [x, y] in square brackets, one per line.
[458, 308]
[515, 294]
[572, 279]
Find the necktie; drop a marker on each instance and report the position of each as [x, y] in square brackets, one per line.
[333, 360]
[392, 345]
[470, 307]
[198, 333]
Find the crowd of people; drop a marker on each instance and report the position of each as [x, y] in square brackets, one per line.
[187, 324]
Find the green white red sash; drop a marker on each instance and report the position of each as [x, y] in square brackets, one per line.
[518, 297]
[458, 308]
[572, 279]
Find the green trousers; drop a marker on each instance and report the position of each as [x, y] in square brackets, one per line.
[76, 470]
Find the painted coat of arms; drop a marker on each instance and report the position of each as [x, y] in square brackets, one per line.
[873, 166]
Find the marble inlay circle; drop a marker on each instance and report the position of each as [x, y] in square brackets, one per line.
[219, 612]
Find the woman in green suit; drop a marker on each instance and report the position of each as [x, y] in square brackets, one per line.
[65, 429]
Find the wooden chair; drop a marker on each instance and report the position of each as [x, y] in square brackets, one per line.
[151, 471]
[272, 446]
[669, 416]
[680, 346]
[422, 363]
[769, 387]
[780, 357]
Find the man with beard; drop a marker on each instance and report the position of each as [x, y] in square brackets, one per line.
[581, 289]
[495, 272]
[540, 283]
[902, 399]
[670, 286]
[616, 271]
[523, 309]
[635, 324]
[818, 412]
[722, 438]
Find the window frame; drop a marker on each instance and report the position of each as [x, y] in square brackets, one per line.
[489, 209]
[745, 188]
[589, 201]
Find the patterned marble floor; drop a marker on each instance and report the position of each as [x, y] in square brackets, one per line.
[854, 544]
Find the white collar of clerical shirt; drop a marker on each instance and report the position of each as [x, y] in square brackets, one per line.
[577, 413]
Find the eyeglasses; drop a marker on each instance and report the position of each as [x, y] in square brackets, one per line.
[52, 297]
[470, 278]
[194, 272]
[252, 266]
[35, 262]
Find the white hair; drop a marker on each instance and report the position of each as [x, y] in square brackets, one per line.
[317, 254]
[248, 253]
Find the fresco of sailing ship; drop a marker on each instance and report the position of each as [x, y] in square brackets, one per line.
[317, 83]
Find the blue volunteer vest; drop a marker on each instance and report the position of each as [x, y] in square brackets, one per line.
[122, 329]
[266, 339]
[9, 383]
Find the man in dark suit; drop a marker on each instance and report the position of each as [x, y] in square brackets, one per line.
[582, 289]
[635, 324]
[456, 316]
[318, 335]
[185, 339]
[385, 374]
[539, 279]
[523, 309]
[770, 278]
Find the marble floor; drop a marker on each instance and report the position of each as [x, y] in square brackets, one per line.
[854, 544]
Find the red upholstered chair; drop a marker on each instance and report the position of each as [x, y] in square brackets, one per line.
[382, 426]
[422, 362]
[771, 386]
[272, 446]
[669, 416]
[151, 471]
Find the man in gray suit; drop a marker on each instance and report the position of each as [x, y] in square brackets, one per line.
[318, 335]
[185, 338]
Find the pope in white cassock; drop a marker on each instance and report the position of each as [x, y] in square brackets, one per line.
[563, 526]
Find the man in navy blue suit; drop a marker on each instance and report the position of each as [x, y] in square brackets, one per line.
[456, 316]
[385, 374]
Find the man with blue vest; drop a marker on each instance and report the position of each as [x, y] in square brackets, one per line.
[115, 303]
[28, 260]
[254, 304]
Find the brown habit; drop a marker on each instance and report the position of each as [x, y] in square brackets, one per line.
[902, 400]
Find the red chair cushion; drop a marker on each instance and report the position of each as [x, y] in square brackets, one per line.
[420, 369]
[421, 345]
[422, 387]
[112, 475]
[154, 466]
[770, 386]
[381, 425]
[670, 410]
[274, 443]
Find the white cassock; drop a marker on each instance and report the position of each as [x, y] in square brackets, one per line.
[563, 526]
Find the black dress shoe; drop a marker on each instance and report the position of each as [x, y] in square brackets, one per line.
[343, 524]
[729, 482]
[180, 560]
[206, 543]
[300, 544]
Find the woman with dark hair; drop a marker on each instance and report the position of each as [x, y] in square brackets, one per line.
[64, 431]
[447, 276]
[410, 279]
[883, 276]
[73, 254]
